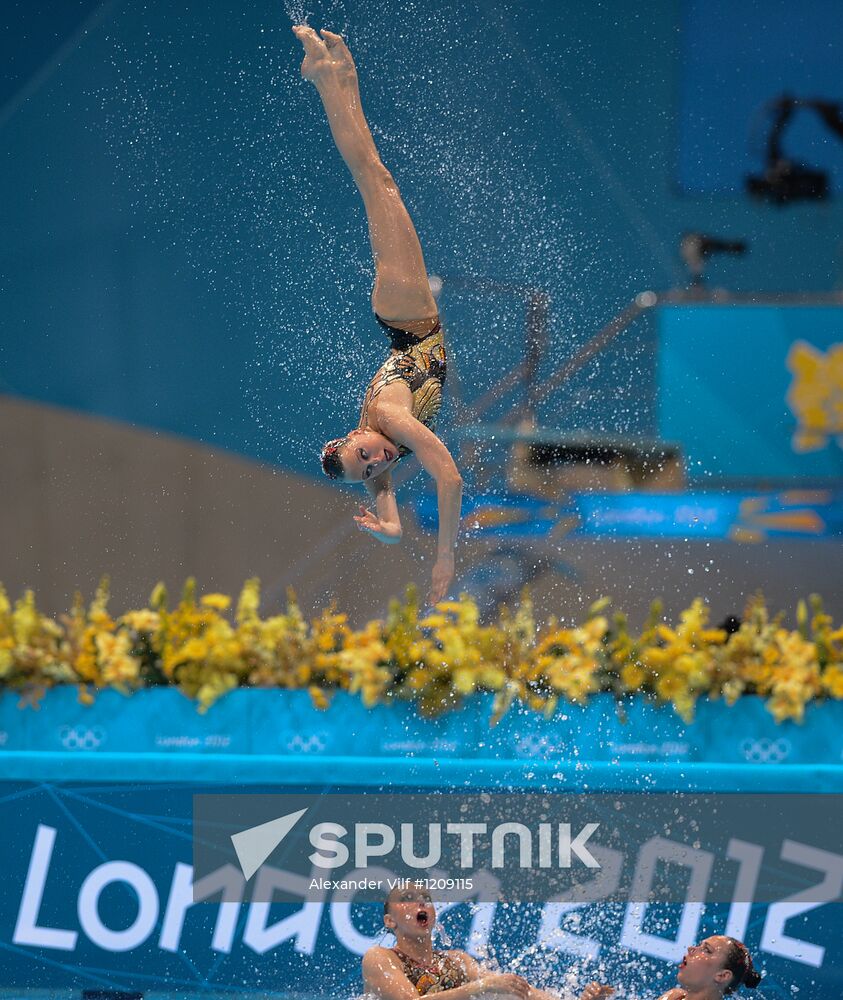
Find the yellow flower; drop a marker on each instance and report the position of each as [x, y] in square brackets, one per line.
[656, 657]
[684, 703]
[141, 621]
[194, 649]
[25, 619]
[492, 678]
[732, 690]
[318, 697]
[158, 597]
[435, 661]
[434, 621]
[117, 666]
[465, 680]
[572, 675]
[97, 613]
[633, 676]
[249, 601]
[219, 602]
[783, 707]
[670, 686]
[455, 607]
[832, 680]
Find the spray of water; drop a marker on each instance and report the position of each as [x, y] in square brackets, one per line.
[274, 225]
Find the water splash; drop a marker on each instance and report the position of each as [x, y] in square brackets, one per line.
[443, 935]
[274, 224]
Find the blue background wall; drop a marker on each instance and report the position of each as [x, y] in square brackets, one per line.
[735, 60]
[182, 244]
[76, 807]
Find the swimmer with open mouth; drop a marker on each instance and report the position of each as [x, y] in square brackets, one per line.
[413, 968]
[713, 969]
[403, 399]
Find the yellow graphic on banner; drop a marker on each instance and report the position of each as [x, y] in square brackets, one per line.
[755, 519]
[815, 395]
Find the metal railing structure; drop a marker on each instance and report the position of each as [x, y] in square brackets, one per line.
[520, 425]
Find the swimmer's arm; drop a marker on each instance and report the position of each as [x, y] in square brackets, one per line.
[597, 991]
[385, 525]
[537, 994]
[404, 429]
[475, 971]
[472, 968]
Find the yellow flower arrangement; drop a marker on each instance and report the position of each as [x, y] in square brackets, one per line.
[30, 647]
[677, 663]
[435, 661]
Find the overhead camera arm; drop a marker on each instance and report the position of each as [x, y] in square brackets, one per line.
[784, 180]
[831, 113]
[783, 113]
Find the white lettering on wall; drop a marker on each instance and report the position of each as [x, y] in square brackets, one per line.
[184, 894]
[302, 926]
[87, 907]
[773, 937]
[652, 852]
[27, 930]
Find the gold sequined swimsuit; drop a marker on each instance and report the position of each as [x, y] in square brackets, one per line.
[420, 361]
[445, 973]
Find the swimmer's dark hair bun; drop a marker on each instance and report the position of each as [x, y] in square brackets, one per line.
[751, 978]
[331, 463]
[739, 963]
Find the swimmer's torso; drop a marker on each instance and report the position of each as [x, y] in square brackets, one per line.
[417, 361]
[444, 973]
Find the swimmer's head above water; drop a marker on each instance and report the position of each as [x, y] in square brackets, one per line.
[408, 911]
[718, 964]
[710, 970]
[360, 455]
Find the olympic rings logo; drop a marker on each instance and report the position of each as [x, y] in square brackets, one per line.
[766, 751]
[315, 743]
[532, 745]
[80, 738]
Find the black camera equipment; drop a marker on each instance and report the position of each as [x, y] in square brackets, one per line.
[784, 180]
[695, 248]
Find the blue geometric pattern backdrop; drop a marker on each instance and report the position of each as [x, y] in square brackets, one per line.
[98, 845]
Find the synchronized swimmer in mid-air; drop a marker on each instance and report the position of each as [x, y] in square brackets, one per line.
[402, 401]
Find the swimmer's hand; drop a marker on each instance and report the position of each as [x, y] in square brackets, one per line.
[385, 532]
[325, 58]
[596, 991]
[507, 983]
[443, 573]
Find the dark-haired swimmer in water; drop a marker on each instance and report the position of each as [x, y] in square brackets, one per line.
[713, 969]
[413, 968]
[403, 399]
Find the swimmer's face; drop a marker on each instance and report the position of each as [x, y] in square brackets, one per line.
[704, 965]
[410, 912]
[366, 455]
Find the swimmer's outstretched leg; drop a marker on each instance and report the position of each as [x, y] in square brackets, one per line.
[402, 291]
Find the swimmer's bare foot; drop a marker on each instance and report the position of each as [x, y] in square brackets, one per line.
[327, 58]
[329, 66]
